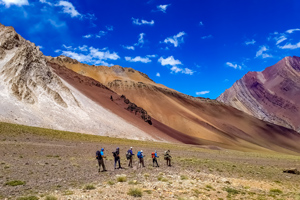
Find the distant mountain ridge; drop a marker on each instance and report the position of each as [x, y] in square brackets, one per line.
[272, 95]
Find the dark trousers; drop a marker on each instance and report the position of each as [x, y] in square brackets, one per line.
[168, 161]
[117, 159]
[101, 163]
[155, 161]
[130, 162]
[141, 162]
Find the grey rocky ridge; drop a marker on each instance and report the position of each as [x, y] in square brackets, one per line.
[32, 94]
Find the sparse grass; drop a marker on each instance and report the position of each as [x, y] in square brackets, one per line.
[134, 182]
[146, 175]
[184, 177]
[148, 191]
[89, 187]
[50, 197]
[276, 191]
[122, 179]
[68, 192]
[159, 178]
[209, 187]
[231, 191]
[135, 192]
[28, 198]
[110, 183]
[15, 183]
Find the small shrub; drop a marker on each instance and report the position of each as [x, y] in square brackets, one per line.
[276, 191]
[122, 179]
[209, 187]
[133, 182]
[146, 175]
[231, 191]
[89, 187]
[68, 192]
[50, 197]
[15, 183]
[148, 191]
[135, 192]
[159, 178]
[28, 198]
[110, 182]
[183, 177]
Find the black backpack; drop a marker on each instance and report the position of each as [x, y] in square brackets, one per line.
[98, 155]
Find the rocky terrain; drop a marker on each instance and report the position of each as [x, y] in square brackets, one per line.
[271, 95]
[47, 164]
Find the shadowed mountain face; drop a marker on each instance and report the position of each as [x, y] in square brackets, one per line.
[271, 95]
[212, 123]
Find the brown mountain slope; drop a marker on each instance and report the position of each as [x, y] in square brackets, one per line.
[272, 95]
[213, 123]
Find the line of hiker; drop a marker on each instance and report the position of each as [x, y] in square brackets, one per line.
[129, 155]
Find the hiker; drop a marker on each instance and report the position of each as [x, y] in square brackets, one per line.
[116, 155]
[168, 157]
[129, 157]
[154, 158]
[100, 157]
[141, 156]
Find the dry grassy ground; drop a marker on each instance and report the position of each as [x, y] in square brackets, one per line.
[61, 165]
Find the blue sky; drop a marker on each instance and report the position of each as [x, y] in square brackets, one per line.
[197, 47]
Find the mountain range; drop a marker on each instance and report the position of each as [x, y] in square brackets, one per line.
[62, 93]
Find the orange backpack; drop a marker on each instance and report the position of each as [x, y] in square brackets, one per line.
[153, 155]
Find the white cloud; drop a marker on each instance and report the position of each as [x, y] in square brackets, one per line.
[174, 63]
[292, 30]
[290, 46]
[280, 39]
[162, 8]
[138, 59]
[158, 74]
[128, 47]
[8, 3]
[235, 66]
[141, 40]
[169, 61]
[100, 34]
[46, 2]
[151, 56]
[202, 92]
[57, 23]
[68, 8]
[40, 47]
[260, 52]
[89, 55]
[142, 22]
[110, 28]
[87, 36]
[207, 37]
[201, 23]
[57, 51]
[176, 39]
[250, 42]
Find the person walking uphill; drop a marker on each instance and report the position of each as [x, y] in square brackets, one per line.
[129, 157]
[154, 158]
[168, 157]
[100, 157]
[141, 156]
[117, 158]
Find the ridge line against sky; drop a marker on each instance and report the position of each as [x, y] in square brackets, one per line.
[198, 48]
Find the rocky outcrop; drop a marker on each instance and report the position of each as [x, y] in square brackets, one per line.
[271, 95]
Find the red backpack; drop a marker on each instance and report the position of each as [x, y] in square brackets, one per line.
[153, 155]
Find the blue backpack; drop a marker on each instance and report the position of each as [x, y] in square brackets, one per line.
[139, 154]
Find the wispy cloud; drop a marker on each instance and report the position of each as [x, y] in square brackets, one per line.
[202, 93]
[292, 30]
[280, 39]
[207, 37]
[8, 3]
[233, 65]
[138, 59]
[141, 40]
[176, 39]
[142, 22]
[260, 52]
[290, 46]
[89, 55]
[87, 36]
[201, 23]
[158, 74]
[162, 8]
[100, 34]
[249, 42]
[128, 47]
[68, 8]
[110, 28]
[174, 65]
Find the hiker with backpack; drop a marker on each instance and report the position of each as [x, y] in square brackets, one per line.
[141, 156]
[154, 158]
[168, 157]
[116, 155]
[100, 157]
[129, 157]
